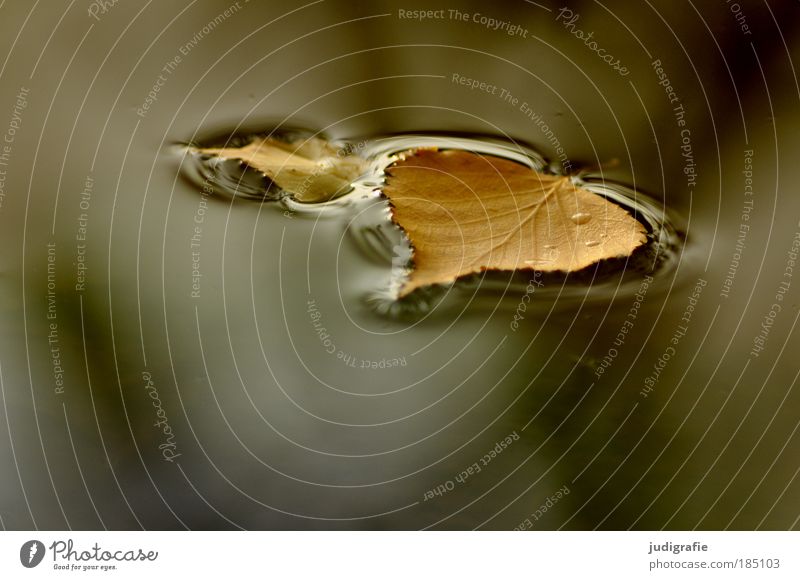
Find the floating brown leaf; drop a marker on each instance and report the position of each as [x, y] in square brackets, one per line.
[312, 170]
[465, 213]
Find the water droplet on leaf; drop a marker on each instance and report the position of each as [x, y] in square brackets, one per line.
[581, 218]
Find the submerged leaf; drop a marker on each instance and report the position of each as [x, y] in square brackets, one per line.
[312, 170]
[465, 213]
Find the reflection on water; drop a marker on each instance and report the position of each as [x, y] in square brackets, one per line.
[366, 216]
[173, 357]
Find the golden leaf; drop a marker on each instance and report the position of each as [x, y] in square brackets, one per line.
[312, 170]
[465, 213]
[462, 212]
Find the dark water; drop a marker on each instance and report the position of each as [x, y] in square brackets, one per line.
[174, 358]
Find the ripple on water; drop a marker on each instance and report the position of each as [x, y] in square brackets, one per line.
[365, 215]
